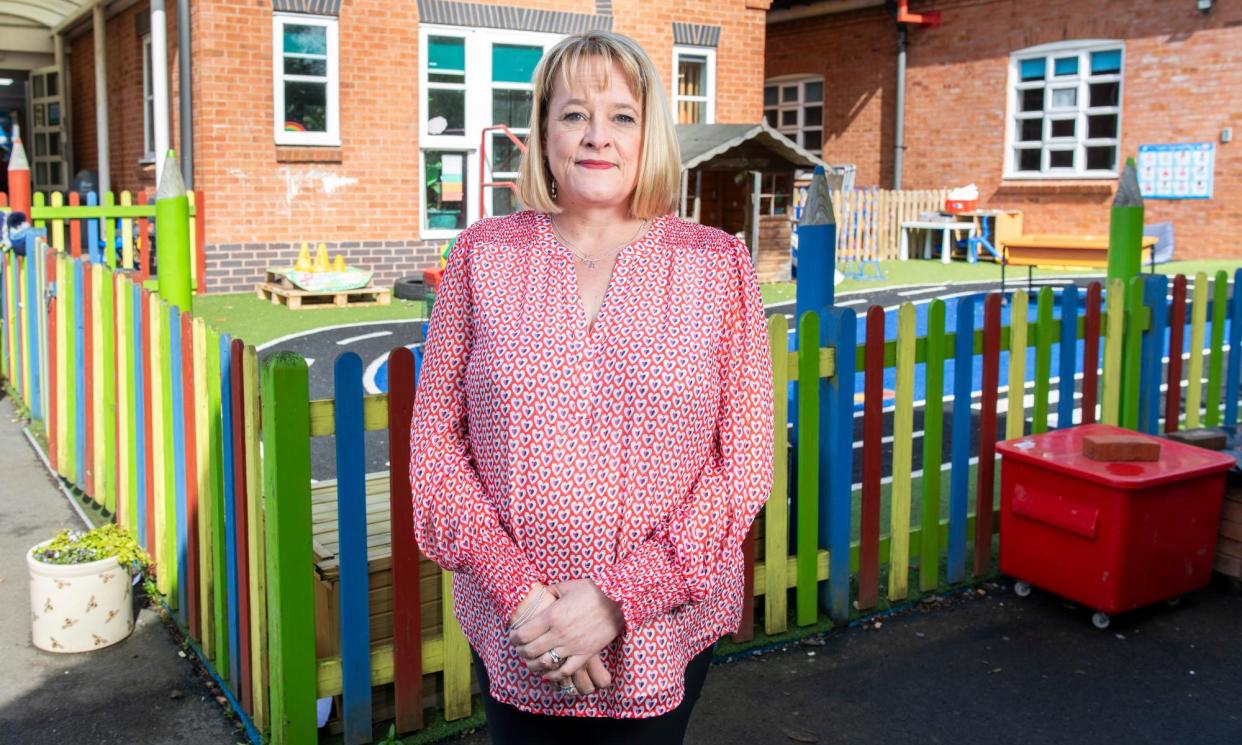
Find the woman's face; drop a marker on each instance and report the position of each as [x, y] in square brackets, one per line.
[594, 139]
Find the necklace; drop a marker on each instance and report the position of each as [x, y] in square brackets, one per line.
[589, 261]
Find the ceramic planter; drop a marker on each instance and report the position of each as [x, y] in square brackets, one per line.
[79, 607]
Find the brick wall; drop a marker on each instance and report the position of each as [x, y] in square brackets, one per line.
[1181, 83]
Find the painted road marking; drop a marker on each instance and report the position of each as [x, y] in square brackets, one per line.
[373, 335]
[921, 290]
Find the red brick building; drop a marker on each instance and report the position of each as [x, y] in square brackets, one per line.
[1035, 102]
[358, 123]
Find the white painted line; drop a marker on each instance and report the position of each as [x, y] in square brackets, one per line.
[921, 290]
[858, 301]
[374, 335]
[308, 332]
[309, 361]
[368, 376]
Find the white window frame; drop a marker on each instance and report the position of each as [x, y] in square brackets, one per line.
[796, 132]
[332, 137]
[479, 86]
[709, 55]
[148, 102]
[1079, 113]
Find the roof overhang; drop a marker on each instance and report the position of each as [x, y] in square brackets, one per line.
[794, 10]
[741, 147]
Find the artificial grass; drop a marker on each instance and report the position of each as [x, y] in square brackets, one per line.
[256, 321]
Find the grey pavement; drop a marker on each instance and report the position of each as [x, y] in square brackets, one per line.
[138, 691]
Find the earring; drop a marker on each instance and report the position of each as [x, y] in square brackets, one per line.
[553, 190]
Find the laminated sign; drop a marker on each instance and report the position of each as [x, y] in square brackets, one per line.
[1182, 171]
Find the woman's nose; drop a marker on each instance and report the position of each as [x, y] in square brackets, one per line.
[596, 134]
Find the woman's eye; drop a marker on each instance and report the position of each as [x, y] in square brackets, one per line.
[573, 116]
[625, 119]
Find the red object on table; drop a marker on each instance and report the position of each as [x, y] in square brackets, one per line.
[1116, 448]
[955, 206]
[1111, 536]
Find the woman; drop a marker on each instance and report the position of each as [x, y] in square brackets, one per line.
[592, 434]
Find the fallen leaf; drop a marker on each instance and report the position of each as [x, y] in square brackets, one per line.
[800, 736]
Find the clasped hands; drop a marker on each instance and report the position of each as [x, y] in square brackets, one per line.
[563, 630]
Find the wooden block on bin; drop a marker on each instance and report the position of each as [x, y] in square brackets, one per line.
[1208, 439]
[1115, 448]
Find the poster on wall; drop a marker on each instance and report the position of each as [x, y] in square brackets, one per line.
[1177, 171]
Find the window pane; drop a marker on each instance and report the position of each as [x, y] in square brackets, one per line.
[52, 86]
[691, 112]
[1032, 99]
[504, 202]
[38, 86]
[769, 95]
[1103, 63]
[1102, 125]
[304, 66]
[812, 139]
[54, 172]
[1061, 159]
[505, 155]
[1105, 94]
[53, 143]
[445, 190]
[1065, 66]
[451, 107]
[1064, 98]
[511, 108]
[691, 75]
[305, 39]
[53, 114]
[789, 118]
[1032, 69]
[813, 116]
[1028, 159]
[1101, 158]
[446, 53]
[1063, 127]
[40, 145]
[770, 115]
[41, 173]
[813, 92]
[1030, 130]
[306, 107]
[789, 93]
[514, 64]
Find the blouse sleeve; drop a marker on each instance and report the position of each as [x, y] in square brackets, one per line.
[678, 563]
[454, 523]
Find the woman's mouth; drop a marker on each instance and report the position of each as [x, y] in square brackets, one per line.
[596, 164]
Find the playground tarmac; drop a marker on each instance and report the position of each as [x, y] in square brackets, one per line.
[138, 691]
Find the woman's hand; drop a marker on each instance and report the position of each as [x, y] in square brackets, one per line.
[539, 597]
[579, 624]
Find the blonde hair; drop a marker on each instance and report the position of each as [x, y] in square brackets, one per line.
[659, 165]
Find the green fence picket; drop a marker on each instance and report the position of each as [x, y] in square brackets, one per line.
[1114, 337]
[1132, 354]
[1194, 370]
[1216, 353]
[776, 511]
[933, 442]
[903, 452]
[807, 517]
[1015, 417]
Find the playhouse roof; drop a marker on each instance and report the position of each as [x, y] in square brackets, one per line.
[740, 147]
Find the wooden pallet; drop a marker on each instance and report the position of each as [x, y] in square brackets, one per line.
[303, 299]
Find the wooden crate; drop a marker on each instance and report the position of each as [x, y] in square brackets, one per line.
[1229, 544]
[304, 299]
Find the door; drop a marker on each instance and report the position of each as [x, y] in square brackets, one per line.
[49, 169]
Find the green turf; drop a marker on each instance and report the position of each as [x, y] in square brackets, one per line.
[257, 321]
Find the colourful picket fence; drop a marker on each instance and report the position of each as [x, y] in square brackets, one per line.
[379, 578]
[124, 222]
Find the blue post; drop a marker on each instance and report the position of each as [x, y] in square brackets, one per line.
[959, 474]
[1155, 297]
[178, 460]
[836, 461]
[817, 249]
[1233, 377]
[34, 314]
[230, 510]
[1068, 357]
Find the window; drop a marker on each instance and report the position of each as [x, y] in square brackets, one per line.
[776, 193]
[694, 85]
[473, 79]
[306, 80]
[1064, 117]
[795, 108]
[148, 103]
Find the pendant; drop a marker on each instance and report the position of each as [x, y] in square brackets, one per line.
[588, 263]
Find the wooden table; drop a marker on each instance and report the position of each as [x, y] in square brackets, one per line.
[946, 228]
[1057, 250]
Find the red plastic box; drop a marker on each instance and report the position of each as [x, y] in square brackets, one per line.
[956, 206]
[1111, 536]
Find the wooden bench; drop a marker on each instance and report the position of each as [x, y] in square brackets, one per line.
[1054, 250]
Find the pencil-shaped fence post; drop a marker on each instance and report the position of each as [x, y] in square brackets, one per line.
[291, 612]
[837, 461]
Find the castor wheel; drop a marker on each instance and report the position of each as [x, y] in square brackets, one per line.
[1101, 620]
[1021, 589]
[1173, 602]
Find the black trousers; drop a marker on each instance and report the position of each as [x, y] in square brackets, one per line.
[509, 725]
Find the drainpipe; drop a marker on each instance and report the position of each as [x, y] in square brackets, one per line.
[101, 99]
[186, 96]
[159, 83]
[899, 135]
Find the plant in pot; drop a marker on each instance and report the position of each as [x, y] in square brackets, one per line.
[81, 586]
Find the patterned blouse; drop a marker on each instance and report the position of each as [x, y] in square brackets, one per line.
[636, 453]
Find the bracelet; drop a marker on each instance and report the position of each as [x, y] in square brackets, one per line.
[529, 612]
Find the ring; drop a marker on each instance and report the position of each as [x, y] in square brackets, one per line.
[556, 658]
[568, 688]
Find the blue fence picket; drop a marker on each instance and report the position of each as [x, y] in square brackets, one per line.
[1155, 297]
[351, 507]
[1233, 376]
[92, 231]
[959, 476]
[1068, 356]
[34, 311]
[230, 510]
[178, 457]
[79, 376]
[836, 460]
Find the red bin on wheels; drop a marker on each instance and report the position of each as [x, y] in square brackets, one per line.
[1113, 536]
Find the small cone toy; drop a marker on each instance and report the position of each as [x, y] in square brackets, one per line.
[339, 264]
[321, 259]
[303, 264]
